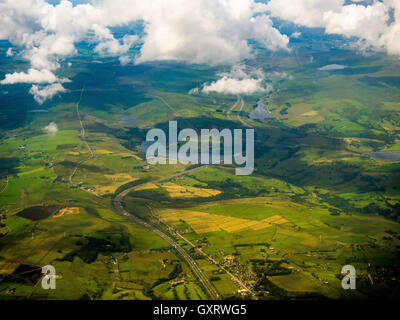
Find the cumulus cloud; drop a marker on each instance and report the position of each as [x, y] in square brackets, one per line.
[202, 31]
[9, 52]
[32, 76]
[279, 75]
[108, 45]
[295, 35]
[124, 60]
[40, 91]
[240, 80]
[210, 32]
[308, 13]
[369, 21]
[51, 128]
[366, 22]
[41, 94]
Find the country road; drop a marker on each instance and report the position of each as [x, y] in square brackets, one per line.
[118, 204]
[172, 109]
[83, 134]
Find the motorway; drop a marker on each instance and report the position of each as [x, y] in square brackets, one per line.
[211, 259]
[118, 204]
[229, 112]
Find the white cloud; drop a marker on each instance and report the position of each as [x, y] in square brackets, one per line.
[279, 75]
[199, 31]
[240, 80]
[308, 13]
[295, 35]
[332, 67]
[41, 94]
[202, 31]
[391, 37]
[228, 85]
[365, 22]
[32, 76]
[51, 128]
[108, 45]
[370, 23]
[124, 60]
[9, 52]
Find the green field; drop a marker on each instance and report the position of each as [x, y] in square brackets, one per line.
[341, 206]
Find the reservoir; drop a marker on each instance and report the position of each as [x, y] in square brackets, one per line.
[331, 67]
[385, 155]
[260, 113]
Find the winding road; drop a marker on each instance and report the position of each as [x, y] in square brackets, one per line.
[228, 114]
[239, 117]
[118, 204]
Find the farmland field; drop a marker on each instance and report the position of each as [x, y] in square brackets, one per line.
[77, 191]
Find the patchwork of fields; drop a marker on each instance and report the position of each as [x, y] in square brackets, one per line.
[315, 202]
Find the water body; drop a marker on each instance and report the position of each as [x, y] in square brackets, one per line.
[127, 120]
[260, 113]
[385, 155]
[38, 111]
[331, 67]
[203, 154]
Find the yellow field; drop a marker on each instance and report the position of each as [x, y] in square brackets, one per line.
[295, 282]
[202, 222]
[115, 181]
[302, 113]
[74, 153]
[128, 285]
[7, 267]
[103, 152]
[66, 212]
[305, 238]
[312, 113]
[125, 154]
[27, 173]
[177, 191]
[119, 177]
[350, 140]
[147, 186]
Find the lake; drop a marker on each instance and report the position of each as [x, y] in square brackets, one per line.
[331, 67]
[385, 155]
